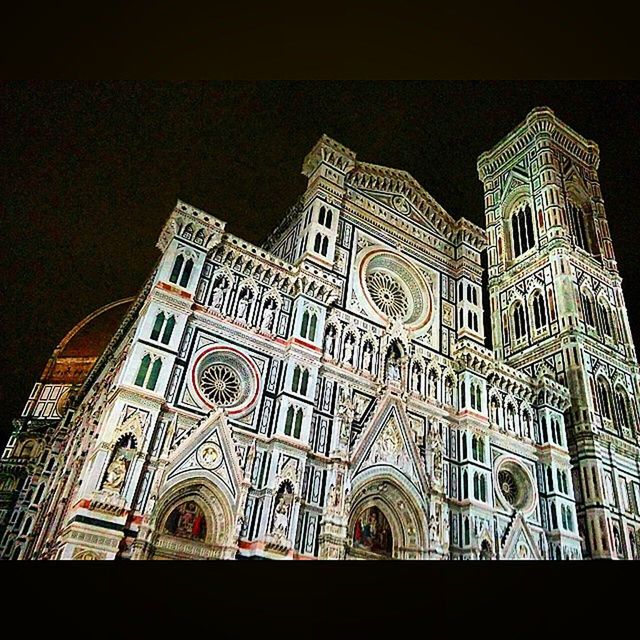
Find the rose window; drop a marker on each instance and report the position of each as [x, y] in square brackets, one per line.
[515, 486]
[387, 294]
[224, 377]
[509, 487]
[395, 288]
[220, 384]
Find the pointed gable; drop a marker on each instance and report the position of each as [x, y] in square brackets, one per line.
[209, 451]
[388, 441]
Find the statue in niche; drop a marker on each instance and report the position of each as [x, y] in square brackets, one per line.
[366, 357]
[217, 296]
[243, 306]
[393, 369]
[330, 341]
[268, 316]
[348, 350]
[116, 473]
[416, 379]
[281, 517]
[433, 528]
[346, 412]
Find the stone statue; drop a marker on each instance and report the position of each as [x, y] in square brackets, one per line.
[243, 305]
[348, 351]
[366, 358]
[416, 379]
[217, 297]
[346, 412]
[330, 342]
[116, 473]
[332, 499]
[267, 318]
[281, 518]
[433, 528]
[393, 370]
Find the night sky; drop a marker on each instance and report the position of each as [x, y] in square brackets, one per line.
[91, 171]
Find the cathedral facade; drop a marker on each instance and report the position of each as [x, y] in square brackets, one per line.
[329, 395]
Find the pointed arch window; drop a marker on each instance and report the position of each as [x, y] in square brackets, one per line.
[177, 268]
[295, 384]
[522, 236]
[587, 307]
[539, 311]
[321, 215]
[603, 398]
[329, 219]
[186, 273]
[325, 246]
[157, 326]
[312, 326]
[578, 226]
[622, 407]
[298, 426]
[317, 243]
[288, 425]
[148, 373]
[305, 382]
[605, 319]
[168, 330]
[519, 327]
[305, 324]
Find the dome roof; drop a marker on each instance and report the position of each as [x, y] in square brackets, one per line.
[73, 358]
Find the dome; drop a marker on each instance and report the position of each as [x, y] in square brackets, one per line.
[73, 358]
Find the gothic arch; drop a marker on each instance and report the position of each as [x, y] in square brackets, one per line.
[400, 503]
[213, 500]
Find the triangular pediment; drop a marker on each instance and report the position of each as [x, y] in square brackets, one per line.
[388, 441]
[520, 543]
[209, 451]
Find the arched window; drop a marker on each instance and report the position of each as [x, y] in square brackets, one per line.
[155, 372]
[295, 384]
[312, 326]
[549, 479]
[317, 244]
[177, 268]
[605, 319]
[545, 433]
[26, 526]
[539, 311]
[298, 427]
[464, 446]
[578, 227]
[603, 398]
[465, 487]
[483, 488]
[469, 292]
[288, 425]
[481, 449]
[168, 330]
[476, 486]
[554, 516]
[305, 383]
[474, 447]
[142, 371]
[325, 246]
[519, 328]
[622, 407]
[478, 398]
[460, 291]
[157, 326]
[463, 394]
[522, 236]
[304, 327]
[186, 273]
[329, 219]
[474, 295]
[39, 493]
[587, 308]
[187, 234]
[199, 239]
[321, 215]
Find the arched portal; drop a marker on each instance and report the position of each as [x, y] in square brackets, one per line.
[193, 521]
[386, 519]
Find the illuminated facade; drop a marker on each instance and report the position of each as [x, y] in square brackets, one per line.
[330, 395]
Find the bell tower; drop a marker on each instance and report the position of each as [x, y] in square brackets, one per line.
[557, 305]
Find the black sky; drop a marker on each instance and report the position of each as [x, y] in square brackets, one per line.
[91, 170]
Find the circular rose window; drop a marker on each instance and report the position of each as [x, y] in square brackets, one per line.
[225, 377]
[394, 288]
[515, 486]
